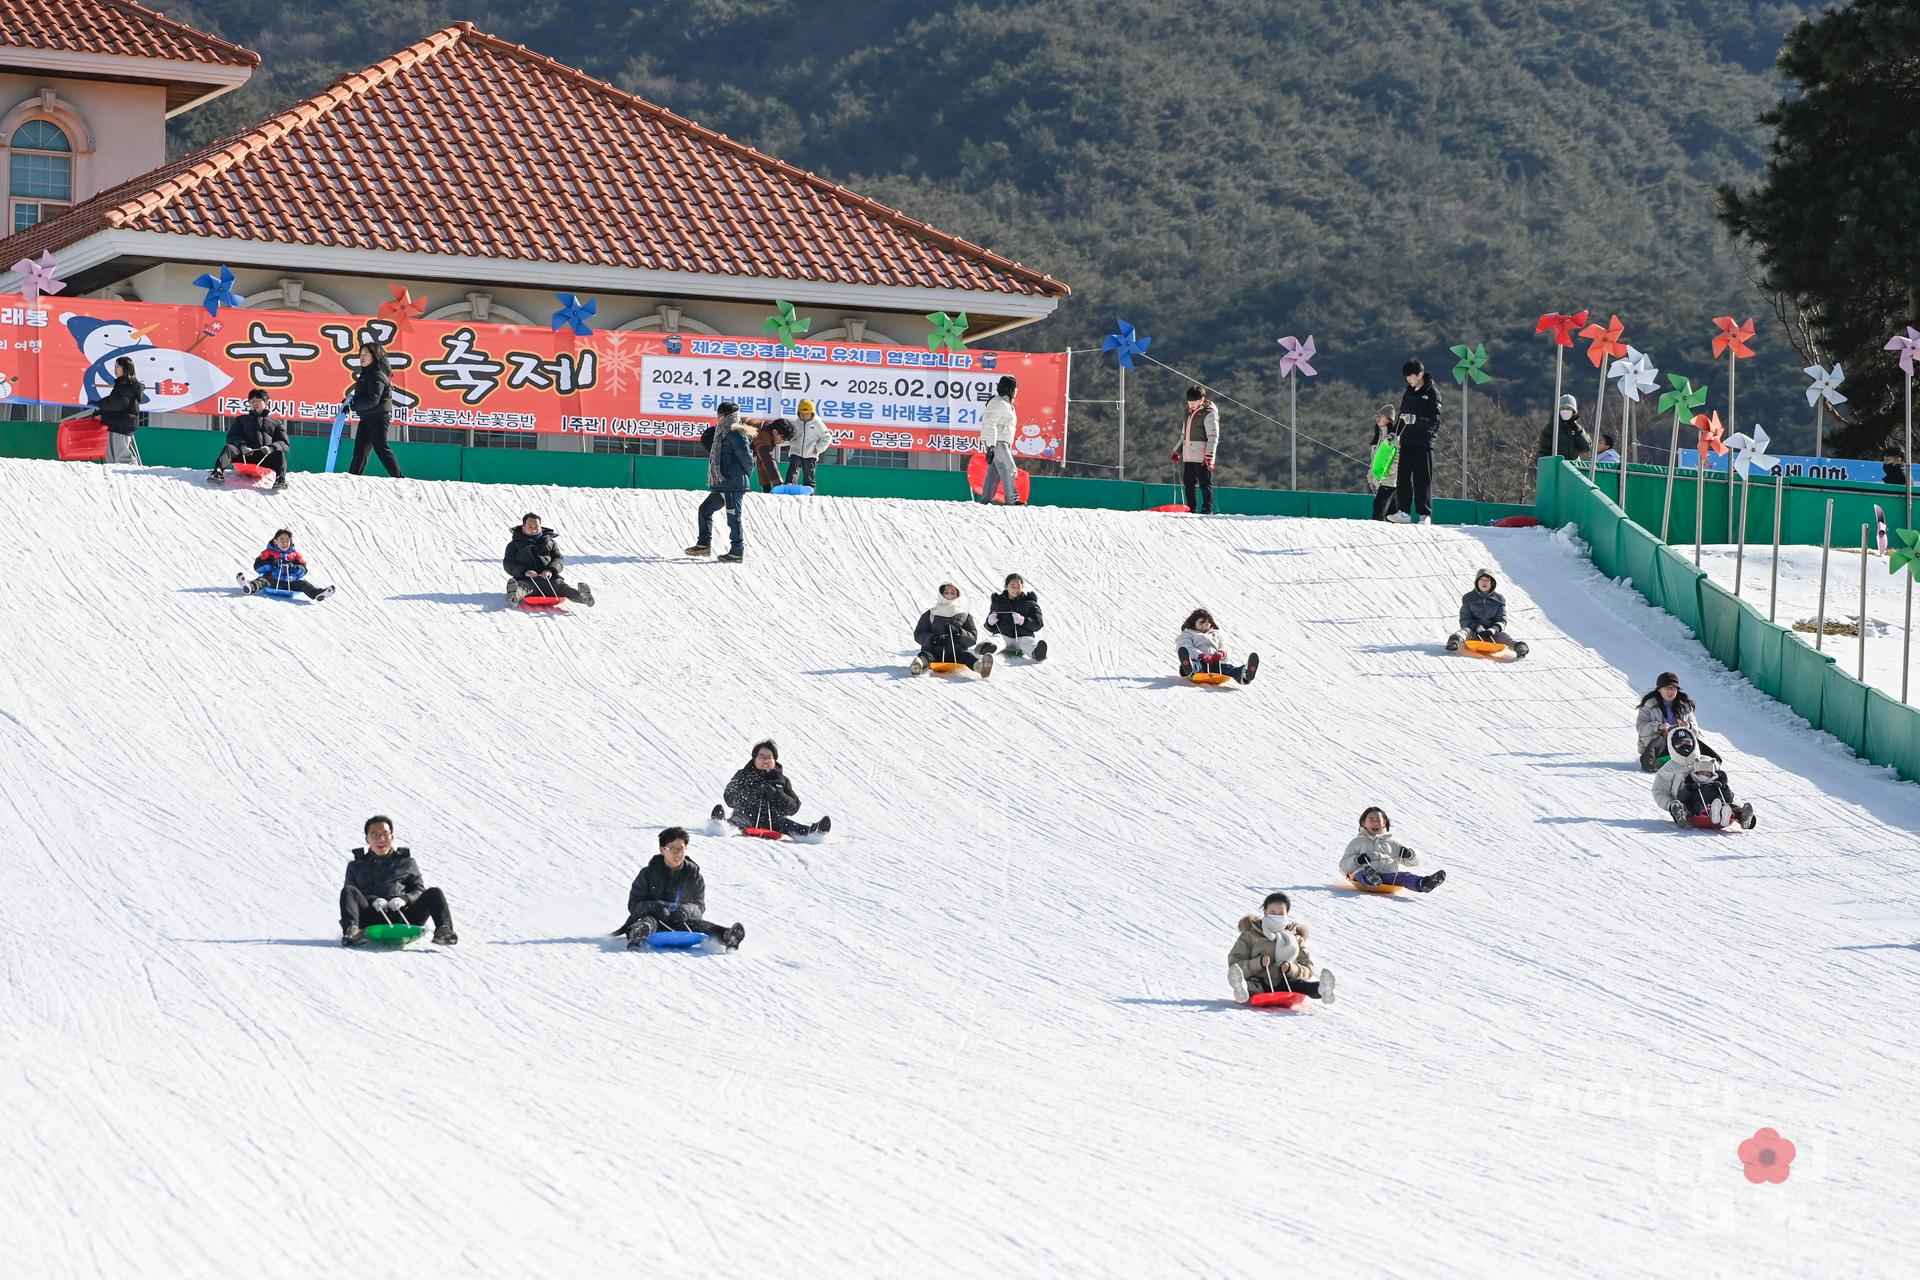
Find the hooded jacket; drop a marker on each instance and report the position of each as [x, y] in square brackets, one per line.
[1207, 413]
[252, 430]
[281, 566]
[660, 889]
[1668, 783]
[1419, 415]
[393, 876]
[1483, 610]
[997, 423]
[1574, 438]
[1001, 607]
[1255, 952]
[527, 552]
[757, 798]
[372, 395]
[1382, 853]
[119, 409]
[945, 627]
[730, 461]
[811, 438]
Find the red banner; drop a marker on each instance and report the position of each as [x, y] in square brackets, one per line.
[648, 386]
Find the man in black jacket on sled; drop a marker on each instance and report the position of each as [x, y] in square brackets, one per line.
[670, 893]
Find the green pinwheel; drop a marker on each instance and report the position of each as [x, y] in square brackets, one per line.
[1684, 398]
[1473, 361]
[1909, 558]
[948, 331]
[784, 323]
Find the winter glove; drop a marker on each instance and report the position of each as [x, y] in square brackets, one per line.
[1407, 854]
[1019, 619]
[1408, 419]
[992, 618]
[1174, 456]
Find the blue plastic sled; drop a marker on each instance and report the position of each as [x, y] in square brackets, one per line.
[676, 939]
[284, 593]
[799, 490]
[333, 442]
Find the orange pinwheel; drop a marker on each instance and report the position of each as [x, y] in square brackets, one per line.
[403, 310]
[1732, 336]
[1712, 434]
[1606, 344]
[1561, 327]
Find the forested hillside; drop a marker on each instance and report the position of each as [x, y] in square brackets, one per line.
[1391, 176]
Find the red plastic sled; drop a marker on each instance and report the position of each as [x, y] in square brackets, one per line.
[977, 480]
[251, 470]
[1706, 823]
[1177, 508]
[80, 440]
[762, 833]
[539, 602]
[1516, 522]
[1275, 999]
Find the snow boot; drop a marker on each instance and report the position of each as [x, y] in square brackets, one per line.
[1678, 812]
[733, 937]
[733, 557]
[637, 935]
[1186, 663]
[1721, 812]
[1744, 813]
[1326, 986]
[1429, 883]
[1453, 644]
[586, 594]
[216, 476]
[354, 937]
[1520, 649]
[719, 813]
[821, 827]
[324, 593]
[1237, 982]
[444, 936]
[1366, 875]
[1426, 519]
[1248, 672]
[1040, 651]
[251, 587]
[279, 483]
[700, 550]
[918, 665]
[985, 668]
[987, 647]
[515, 592]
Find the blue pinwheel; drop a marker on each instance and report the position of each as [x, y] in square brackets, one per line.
[573, 314]
[219, 290]
[1126, 344]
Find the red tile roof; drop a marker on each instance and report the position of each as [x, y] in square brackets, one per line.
[465, 144]
[117, 27]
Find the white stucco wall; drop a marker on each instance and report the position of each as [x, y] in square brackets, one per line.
[125, 125]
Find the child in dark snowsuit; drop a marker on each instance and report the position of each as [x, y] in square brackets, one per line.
[1270, 954]
[1015, 613]
[761, 796]
[283, 569]
[945, 633]
[533, 563]
[671, 894]
[1483, 616]
[1374, 858]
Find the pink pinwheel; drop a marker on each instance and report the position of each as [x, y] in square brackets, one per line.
[1908, 347]
[1712, 434]
[37, 277]
[1561, 327]
[1732, 337]
[1298, 356]
[403, 310]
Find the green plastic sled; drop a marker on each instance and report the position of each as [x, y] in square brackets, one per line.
[396, 935]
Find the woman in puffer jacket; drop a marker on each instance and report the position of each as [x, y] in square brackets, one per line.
[1373, 858]
[1271, 955]
[1203, 647]
[945, 633]
[1666, 707]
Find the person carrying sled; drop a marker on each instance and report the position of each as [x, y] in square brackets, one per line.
[1663, 709]
[119, 411]
[534, 564]
[1199, 444]
[283, 569]
[1203, 647]
[945, 633]
[1271, 955]
[1691, 783]
[997, 426]
[1483, 616]
[1374, 858]
[811, 438]
[258, 436]
[670, 893]
[729, 447]
[380, 873]
[1386, 492]
[1419, 421]
[1014, 612]
[761, 796]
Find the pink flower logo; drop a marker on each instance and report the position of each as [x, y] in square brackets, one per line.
[1766, 1156]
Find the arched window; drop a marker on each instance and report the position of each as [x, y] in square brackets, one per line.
[39, 173]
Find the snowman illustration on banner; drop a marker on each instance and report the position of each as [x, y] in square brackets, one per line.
[1031, 443]
[6, 387]
[174, 379]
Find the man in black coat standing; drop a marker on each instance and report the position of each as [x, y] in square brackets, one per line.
[670, 893]
[1419, 421]
[533, 563]
[258, 436]
[381, 873]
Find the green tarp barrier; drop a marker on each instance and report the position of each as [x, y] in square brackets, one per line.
[543, 466]
[1600, 526]
[1720, 623]
[1640, 561]
[1892, 734]
[890, 482]
[26, 440]
[1843, 708]
[1803, 677]
[1680, 587]
[1760, 659]
[670, 473]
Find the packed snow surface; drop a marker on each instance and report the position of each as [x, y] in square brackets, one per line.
[983, 1028]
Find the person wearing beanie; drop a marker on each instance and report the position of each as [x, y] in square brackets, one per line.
[1386, 491]
[1199, 446]
[770, 437]
[1202, 646]
[281, 568]
[1374, 858]
[810, 439]
[384, 886]
[670, 894]
[1575, 439]
[1419, 421]
[1483, 616]
[730, 465]
[1014, 612]
[259, 437]
[1664, 708]
[997, 423]
[534, 564]
[1270, 954]
[945, 633]
[761, 797]
[1691, 785]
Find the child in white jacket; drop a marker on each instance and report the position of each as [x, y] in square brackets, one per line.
[1203, 648]
[1373, 858]
[811, 438]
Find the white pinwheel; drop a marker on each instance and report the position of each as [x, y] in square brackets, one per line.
[1826, 384]
[1751, 450]
[1635, 374]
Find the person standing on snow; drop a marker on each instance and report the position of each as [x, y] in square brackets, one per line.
[534, 564]
[1483, 616]
[371, 399]
[762, 797]
[1199, 444]
[766, 442]
[1386, 427]
[1574, 438]
[945, 633]
[997, 424]
[670, 893]
[1014, 612]
[382, 873]
[258, 436]
[119, 412]
[1271, 955]
[1419, 421]
[811, 438]
[729, 465]
[1374, 858]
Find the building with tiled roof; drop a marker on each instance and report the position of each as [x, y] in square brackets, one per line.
[486, 177]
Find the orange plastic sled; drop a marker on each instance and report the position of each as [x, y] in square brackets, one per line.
[1209, 677]
[1488, 647]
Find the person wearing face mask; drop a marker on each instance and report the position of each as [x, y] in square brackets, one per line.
[1419, 421]
[258, 436]
[761, 796]
[945, 633]
[1271, 955]
[1575, 439]
[671, 894]
[1374, 858]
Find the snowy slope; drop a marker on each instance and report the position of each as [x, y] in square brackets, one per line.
[981, 1030]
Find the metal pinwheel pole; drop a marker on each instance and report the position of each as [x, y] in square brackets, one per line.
[1296, 358]
[1779, 502]
[1673, 466]
[1826, 550]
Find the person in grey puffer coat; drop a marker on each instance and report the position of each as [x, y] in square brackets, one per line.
[1691, 784]
[1374, 858]
[1483, 616]
[1270, 954]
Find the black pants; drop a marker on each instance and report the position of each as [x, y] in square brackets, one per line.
[800, 470]
[768, 822]
[276, 458]
[1416, 481]
[356, 912]
[1198, 474]
[943, 649]
[301, 585]
[665, 917]
[1386, 501]
[372, 438]
[1699, 799]
[554, 586]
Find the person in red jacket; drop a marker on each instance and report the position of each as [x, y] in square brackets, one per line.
[283, 568]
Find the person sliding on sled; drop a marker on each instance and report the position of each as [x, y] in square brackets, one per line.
[1691, 783]
[1014, 612]
[1374, 858]
[761, 796]
[380, 873]
[283, 569]
[533, 563]
[1203, 647]
[258, 436]
[1483, 616]
[945, 633]
[1271, 955]
[670, 893]
[1665, 708]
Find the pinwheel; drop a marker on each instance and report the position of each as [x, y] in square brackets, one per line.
[1561, 327]
[1749, 451]
[219, 291]
[1635, 374]
[1472, 365]
[1296, 359]
[36, 278]
[1683, 400]
[1711, 441]
[948, 331]
[574, 314]
[1908, 347]
[1908, 555]
[1603, 345]
[402, 309]
[1126, 344]
[1731, 342]
[784, 323]
[1824, 391]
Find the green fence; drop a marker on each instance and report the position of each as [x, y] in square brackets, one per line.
[177, 447]
[1774, 659]
[1802, 503]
